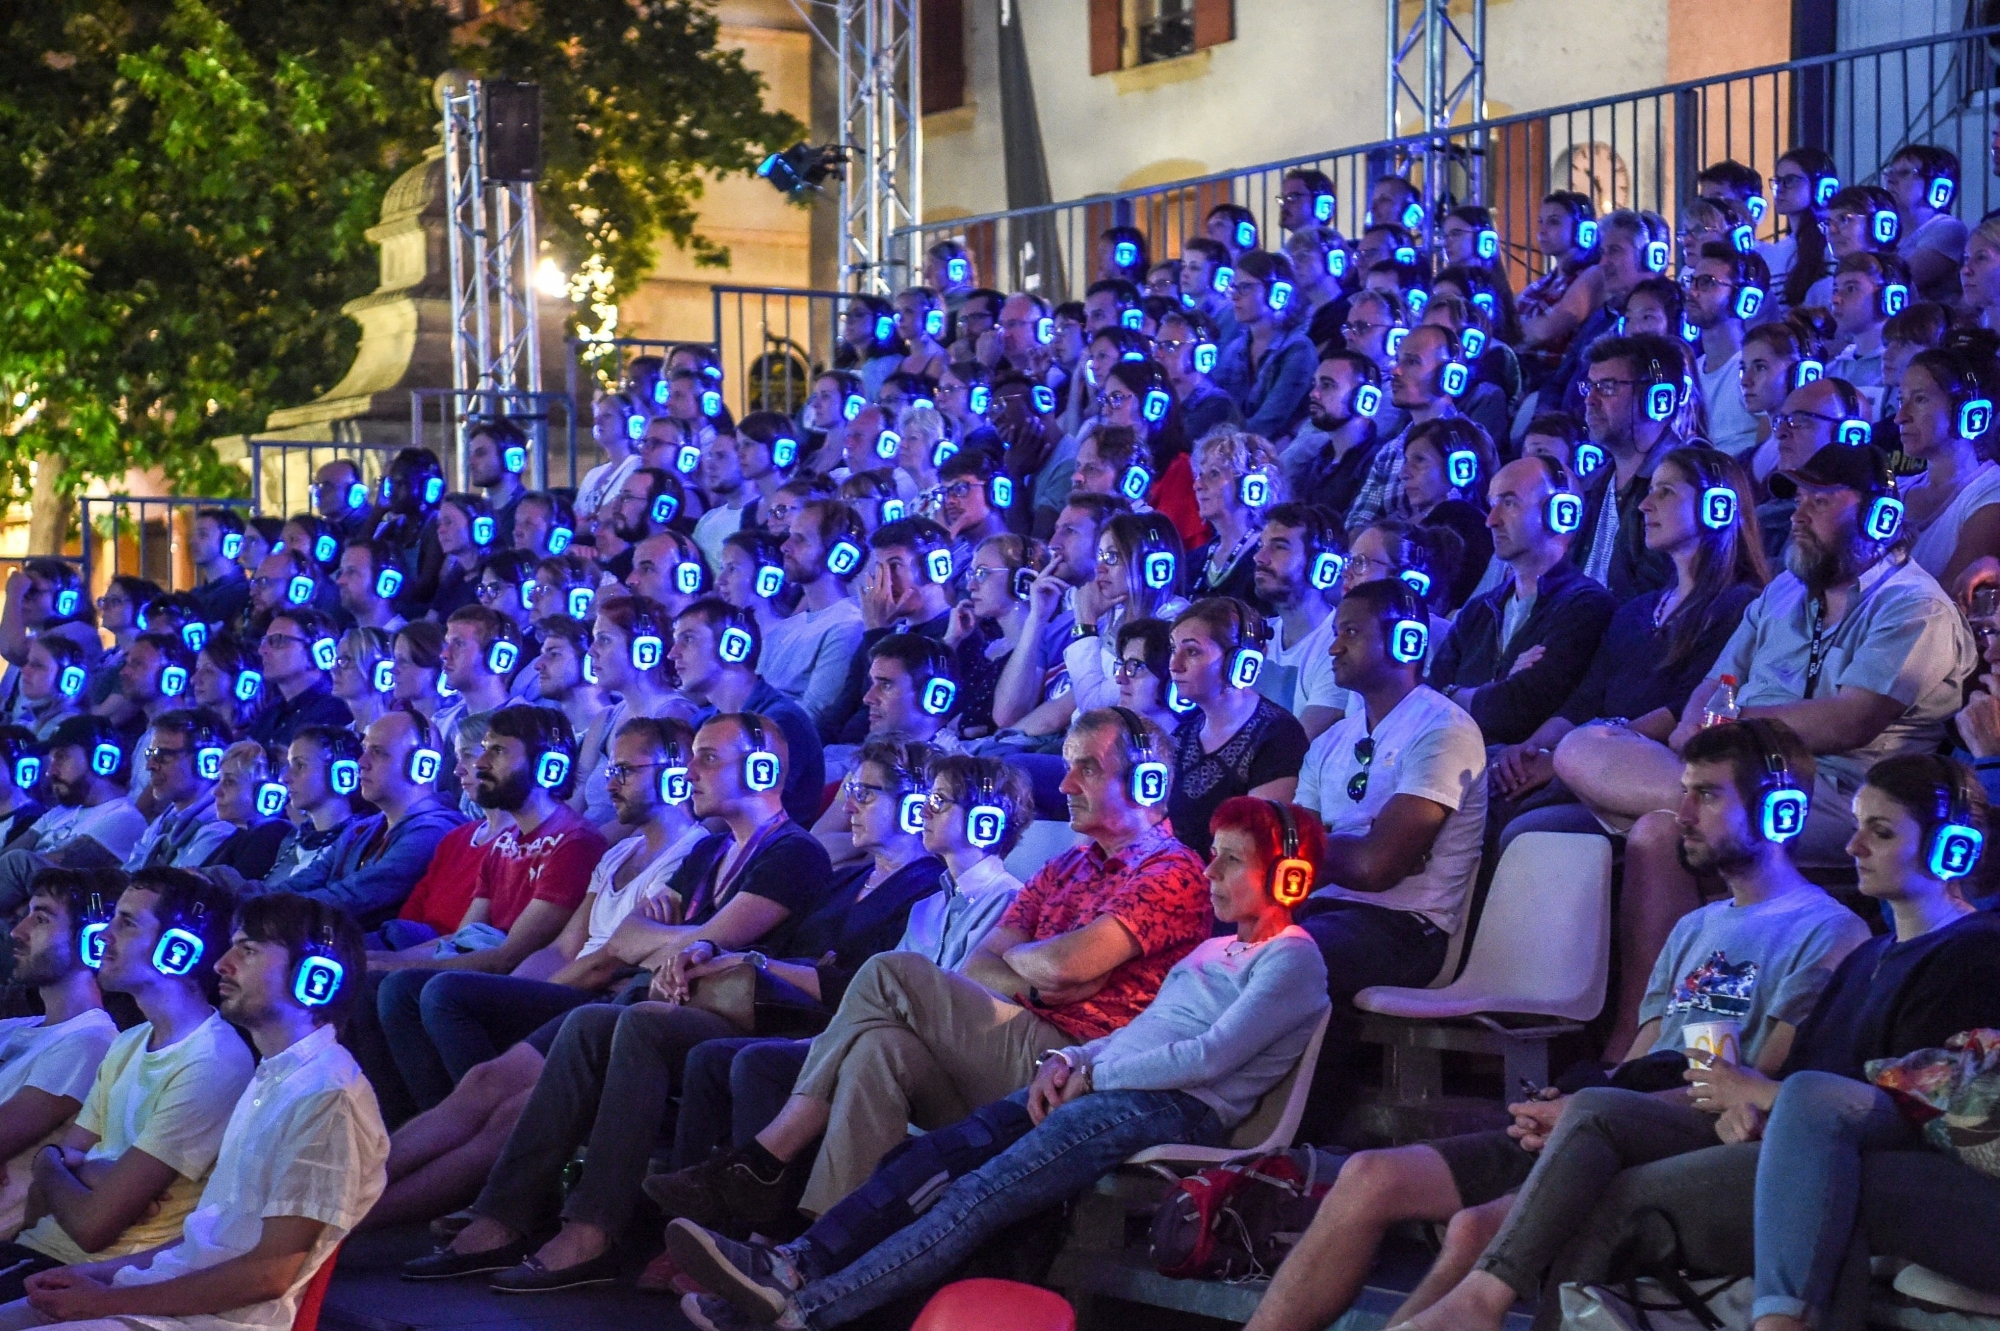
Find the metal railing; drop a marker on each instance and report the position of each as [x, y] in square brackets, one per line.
[144, 535]
[441, 417]
[772, 342]
[282, 470]
[1638, 150]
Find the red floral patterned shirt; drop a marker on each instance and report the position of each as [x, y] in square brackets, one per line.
[1155, 887]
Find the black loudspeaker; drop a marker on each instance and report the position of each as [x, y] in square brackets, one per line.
[513, 132]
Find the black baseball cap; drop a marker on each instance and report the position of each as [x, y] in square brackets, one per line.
[1862, 468]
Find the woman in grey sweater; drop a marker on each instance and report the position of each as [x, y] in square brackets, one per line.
[1231, 1018]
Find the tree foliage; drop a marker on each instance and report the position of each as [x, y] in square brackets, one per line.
[185, 186]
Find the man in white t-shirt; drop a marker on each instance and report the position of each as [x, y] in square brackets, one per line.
[301, 1162]
[1726, 290]
[1401, 787]
[806, 655]
[129, 1170]
[1297, 570]
[92, 822]
[47, 1063]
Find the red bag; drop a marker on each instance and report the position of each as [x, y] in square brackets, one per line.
[1237, 1221]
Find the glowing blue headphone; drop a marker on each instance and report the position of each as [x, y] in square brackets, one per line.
[1322, 209]
[1486, 243]
[985, 817]
[1222, 279]
[854, 406]
[232, 544]
[1781, 813]
[559, 538]
[514, 458]
[179, 950]
[1204, 357]
[978, 398]
[1336, 262]
[1825, 189]
[1124, 254]
[195, 634]
[784, 451]
[760, 765]
[844, 555]
[938, 696]
[1135, 482]
[1158, 569]
[955, 270]
[1940, 193]
[1563, 513]
[1461, 467]
[770, 580]
[663, 508]
[635, 427]
[934, 323]
[551, 768]
[381, 677]
[1155, 404]
[1718, 508]
[90, 938]
[1472, 341]
[1043, 397]
[483, 530]
[1588, 458]
[105, 757]
[1278, 295]
[686, 458]
[580, 600]
[1246, 235]
[888, 444]
[67, 599]
[1586, 234]
[1132, 317]
[1148, 781]
[885, 327]
[70, 680]
[502, 655]
[173, 681]
[326, 547]
[1975, 417]
[1749, 300]
[1413, 216]
[1254, 488]
[388, 582]
[1742, 238]
[272, 797]
[320, 974]
[1045, 330]
[1409, 637]
[1853, 433]
[423, 765]
[1417, 299]
[1755, 203]
[734, 645]
[1956, 845]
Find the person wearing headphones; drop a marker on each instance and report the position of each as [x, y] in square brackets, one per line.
[319, 811]
[183, 761]
[1631, 246]
[905, 590]
[1233, 740]
[48, 1062]
[123, 1176]
[305, 1154]
[976, 503]
[1953, 506]
[1187, 343]
[481, 653]
[155, 677]
[1632, 389]
[715, 650]
[492, 447]
[465, 534]
[1080, 953]
[987, 623]
[369, 583]
[1267, 366]
[420, 667]
[1229, 1020]
[296, 652]
[1032, 693]
[122, 611]
[283, 572]
[1329, 459]
[44, 596]
[1297, 573]
[1775, 936]
[1867, 290]
[87, 765]
[1724, 290]
[808, 653]
[544, 525]
[628, 655]
[341, 498]
[1236, 477]
[223, 590]
[647, 501]
[53, 682]
[19, 809]
[1417, 387]
[1924, 180]
[1517, 651]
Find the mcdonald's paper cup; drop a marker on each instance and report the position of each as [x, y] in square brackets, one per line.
[1719, 1039]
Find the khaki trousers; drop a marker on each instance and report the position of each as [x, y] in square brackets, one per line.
[910, 1044]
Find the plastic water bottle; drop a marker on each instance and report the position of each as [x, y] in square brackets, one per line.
[1722, 705]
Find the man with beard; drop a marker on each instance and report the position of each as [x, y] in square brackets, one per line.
[1033, 693]
[1297, 573]
[807, 653]
[1758, 957]
[635, 515]
[305, 1155]
[529, 884]
[1343, 440]
[47, 1063]
[719, 685]
[122, 1178]
[1416, 387]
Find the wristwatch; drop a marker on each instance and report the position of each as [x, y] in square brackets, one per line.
[1082, 630]
[758, 959]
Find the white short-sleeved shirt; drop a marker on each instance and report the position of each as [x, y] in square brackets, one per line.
[305, 1139]
[115, 825]
[1732, 426]
[610, 905]
[1426, 746]
[1901, 637]
[1933, 548]
[59, 1060]
[1300, 676]
[602, 481]
[171, 1103]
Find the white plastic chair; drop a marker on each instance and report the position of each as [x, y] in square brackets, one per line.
[1543, 949]
[1045, 839]
[1271, 1125]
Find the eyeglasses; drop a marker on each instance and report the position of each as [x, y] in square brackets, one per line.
[939, 801]
[1605, 387]
[489, 591]
[861, 792]
[979, 573]
[106, 601]
[1129, 667]
[1700, 282]
[284, 638]
[1112, 397]
[1360, 564]
[960, 489]
[344, 660]
[615, 773]
[1109, 559]
[1797, 420]
[1789, 180]
[157, 754]
[1364, 753]
[1361, 329]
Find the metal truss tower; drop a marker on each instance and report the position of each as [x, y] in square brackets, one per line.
[495, 345]
[881, 125]
[1434, 70]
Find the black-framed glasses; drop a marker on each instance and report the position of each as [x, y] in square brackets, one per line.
[862, 793]
[1796, 420]
[1364, 753]
[938, 801]
[615, 773]
[1129, 667]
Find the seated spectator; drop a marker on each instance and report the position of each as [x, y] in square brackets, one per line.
[124, 1175]
[1887, 675]
[19, 779]
[1920, 327]
[48, 1062]
[1424, 559]
[1033, 692]
[1859, 219]
[1980, 274]
[217, 538]
[1630, 419]
[1657, 648]
[971, 490]
[560, 673]
[1446, 465]
[420, 667]
[441, 897]
[1811, 417]
[752, 576]
[734, 1087]
[1487, 307]
[153, 680]
[1188, 341]
[1953, 507]
[1403, 835]
[626, 1055]
[715, 651]
[491, 447]
[482, 650]
[911, 696]
[1521, 648]
[1230, 1020]
[1726, 289]
[1234, 741]
[369, 583]
[1924, 180]
[1298, 565]
[1330, 476]
[544, 525]
[1892, 995]
[647, 500]
[958, 388]
[122, 612]
[1312, 249]
[1867, 289]
[1144, 672]
[54, 680]
[255, 836]
[1558, 436]
[311, 1141]
[44, 596]
[1138, 569]
[1480, 400]
[296, 652]
[740, 887]
[904, 590]
[1207, 270]
[807, 654]
[1128, 399]
[1760, 958]
[1236, 478]
[1079, 954]
[986, 625]
[287, 579]
[1416, 386]
[364, 674]
[629, 656]
[1267, 366]
[319, 811]
[503, 580]
[92, 821]
[227, 682]
[1625, 254]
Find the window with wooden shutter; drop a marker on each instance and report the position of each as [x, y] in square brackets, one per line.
[1106, 36]
[1214, 22]
[942, 53]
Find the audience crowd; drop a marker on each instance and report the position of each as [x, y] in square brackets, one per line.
[641, 852]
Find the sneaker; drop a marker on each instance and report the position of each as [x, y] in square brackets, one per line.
[723, 1193]
[694, 1193]
[752, 1200]
[756, 1281]
[713, 1314]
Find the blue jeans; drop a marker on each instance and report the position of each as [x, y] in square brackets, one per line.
[1809, 1184]
[731, 1091]
[1050, 1163]
[442, 1024]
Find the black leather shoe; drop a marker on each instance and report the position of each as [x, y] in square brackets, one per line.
[531, 1277]
[444, 1264]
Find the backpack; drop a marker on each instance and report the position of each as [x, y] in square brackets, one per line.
[1237, 1221]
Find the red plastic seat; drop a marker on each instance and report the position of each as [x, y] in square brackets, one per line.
[314, 1294]
[995, 1305]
